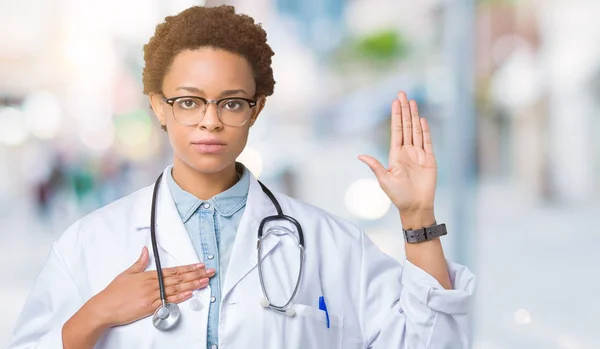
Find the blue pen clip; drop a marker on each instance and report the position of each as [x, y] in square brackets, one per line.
[323, 307]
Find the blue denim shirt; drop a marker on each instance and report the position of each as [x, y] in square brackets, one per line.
[212, 226]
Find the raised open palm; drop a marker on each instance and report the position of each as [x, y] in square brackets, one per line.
[411, 176]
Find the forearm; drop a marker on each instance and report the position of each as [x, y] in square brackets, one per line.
[83, 329]
[427, 255]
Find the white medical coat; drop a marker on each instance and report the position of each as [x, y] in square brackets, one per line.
[372, 299]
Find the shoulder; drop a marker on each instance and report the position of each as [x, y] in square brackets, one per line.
[110, 219]
[129, 207]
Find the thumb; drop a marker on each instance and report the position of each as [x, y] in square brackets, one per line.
[375, 166]
[141, 263]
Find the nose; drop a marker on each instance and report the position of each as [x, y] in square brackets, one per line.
[210, 121]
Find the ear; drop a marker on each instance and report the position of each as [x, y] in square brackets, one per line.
[260, 104]
[158, 106]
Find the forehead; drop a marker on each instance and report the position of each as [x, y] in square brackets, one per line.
[209, 70]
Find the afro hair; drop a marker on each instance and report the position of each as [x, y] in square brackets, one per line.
[216, 27]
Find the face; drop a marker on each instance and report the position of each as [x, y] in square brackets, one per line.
[210, 146]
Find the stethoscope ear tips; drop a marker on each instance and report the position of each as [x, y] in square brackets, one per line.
[290, 312]
[264, 303]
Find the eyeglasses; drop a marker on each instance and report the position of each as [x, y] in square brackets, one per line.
[190, 110]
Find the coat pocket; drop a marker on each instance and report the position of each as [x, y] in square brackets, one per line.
[308, 329]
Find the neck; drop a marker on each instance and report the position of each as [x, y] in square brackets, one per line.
[203, 185]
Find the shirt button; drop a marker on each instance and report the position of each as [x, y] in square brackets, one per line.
[213, 299]
[210, 256]
[214, 346]
[195, 304]
[206, 205]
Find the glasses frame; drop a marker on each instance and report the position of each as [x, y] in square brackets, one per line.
[170, 101]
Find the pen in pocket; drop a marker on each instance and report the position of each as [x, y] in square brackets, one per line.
[323, 306]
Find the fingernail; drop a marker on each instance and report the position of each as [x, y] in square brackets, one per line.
[199, 265]
[210, 271]
[204, 282]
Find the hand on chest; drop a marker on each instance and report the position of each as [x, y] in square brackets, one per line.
[242, 317]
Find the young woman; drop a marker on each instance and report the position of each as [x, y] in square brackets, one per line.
[316, 282]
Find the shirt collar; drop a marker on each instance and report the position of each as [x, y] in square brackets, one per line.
[225, 203]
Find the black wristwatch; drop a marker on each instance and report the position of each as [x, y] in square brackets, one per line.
[424, 234]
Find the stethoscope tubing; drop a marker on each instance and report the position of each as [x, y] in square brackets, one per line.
[161, 285]
[284, 307]
[163, 313]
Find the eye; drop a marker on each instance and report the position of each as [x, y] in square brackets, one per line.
[233, 104]
[187, 103]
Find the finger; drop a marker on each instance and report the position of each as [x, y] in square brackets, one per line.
[416, 125]
[406, 121]
[189, 276]
[427, 144]
[182, 269]
[374, 165]
[396, 127]
[140, 264]
[186, 286]
[178, 298]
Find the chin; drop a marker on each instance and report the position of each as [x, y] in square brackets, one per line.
[209, 163]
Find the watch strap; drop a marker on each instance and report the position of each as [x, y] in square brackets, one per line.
[412, 236]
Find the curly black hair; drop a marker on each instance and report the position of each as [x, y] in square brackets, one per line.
[217, 27]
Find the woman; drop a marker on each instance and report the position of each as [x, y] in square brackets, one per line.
[207, 75]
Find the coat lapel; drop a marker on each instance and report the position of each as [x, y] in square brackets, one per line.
[244, 255]
[171, 235]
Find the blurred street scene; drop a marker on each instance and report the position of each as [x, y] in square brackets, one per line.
[511, 89]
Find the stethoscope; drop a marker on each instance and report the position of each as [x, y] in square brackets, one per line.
[167, 315]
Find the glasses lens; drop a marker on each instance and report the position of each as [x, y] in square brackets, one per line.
[234, 111]
[188, 110]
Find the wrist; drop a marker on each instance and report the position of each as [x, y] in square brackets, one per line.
[93, 315]
[83, 329]
[417, 219]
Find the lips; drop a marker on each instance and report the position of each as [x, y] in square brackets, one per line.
[209, 146]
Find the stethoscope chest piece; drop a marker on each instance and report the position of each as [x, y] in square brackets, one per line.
[166, 317]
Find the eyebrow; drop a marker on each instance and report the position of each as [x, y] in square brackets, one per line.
[225, 93]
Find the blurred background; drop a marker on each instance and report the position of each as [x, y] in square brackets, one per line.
[511, 89]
